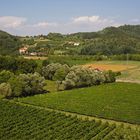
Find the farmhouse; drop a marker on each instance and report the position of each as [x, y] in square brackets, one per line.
[23, 50]
[76, 44]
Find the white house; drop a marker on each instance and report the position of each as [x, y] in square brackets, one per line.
[76, 44]
[23, 50]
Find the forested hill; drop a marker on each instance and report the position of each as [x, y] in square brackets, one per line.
[112, 40]
[9, 44]
[109, 41]
[126, 31]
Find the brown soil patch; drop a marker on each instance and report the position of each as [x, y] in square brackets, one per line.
[109, 67]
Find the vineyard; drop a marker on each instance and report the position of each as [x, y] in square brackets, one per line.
[116, 101]
[26, 122]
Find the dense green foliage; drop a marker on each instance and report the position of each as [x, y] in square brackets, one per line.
[113, 41]
[79, 76]
[5, 76]
[76, 76]
[26, 122]
[9, 44]
[55, 71]
[5, 90]
[17, 64]
[26, 85]
[117, 101]
[133, 57]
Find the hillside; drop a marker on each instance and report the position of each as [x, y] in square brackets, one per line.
[9, 44]
[109, 41]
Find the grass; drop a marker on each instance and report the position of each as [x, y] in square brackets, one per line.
[117, 101]
[27, 122]
[51, 86]
[1, 97]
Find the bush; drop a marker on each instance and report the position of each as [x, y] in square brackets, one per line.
[109, 76]
[17, 65]
[79, 76]
[27, 84]
[61, 73]
[5, 90]
[45, 62]
[5, 76]
[55, 71]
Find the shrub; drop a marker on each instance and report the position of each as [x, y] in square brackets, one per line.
[45, 62]
[61, 73]
[27, 84]
[5, 76]
[5, 90]
[55, 71]
[17, 65]
[109, 76]
[79, 76]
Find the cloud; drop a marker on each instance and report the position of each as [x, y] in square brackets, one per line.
[86, 19]
[21, 25]
[91, 23]
[11, 21]
[92, 20]
[45, 24]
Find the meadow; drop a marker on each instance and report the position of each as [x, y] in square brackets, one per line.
[117, 101]
[26, 122]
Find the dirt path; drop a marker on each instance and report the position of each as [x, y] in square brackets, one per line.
[128, 81]
[83, 117]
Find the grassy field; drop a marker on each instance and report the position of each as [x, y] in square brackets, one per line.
[35, 57]
[117, 101]
[25, 122]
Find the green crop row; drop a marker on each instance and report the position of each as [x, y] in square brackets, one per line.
[24, 122]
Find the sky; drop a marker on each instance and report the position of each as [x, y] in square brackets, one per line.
[34, 17]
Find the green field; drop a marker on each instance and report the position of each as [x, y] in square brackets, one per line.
[31, 123]
[117, 101]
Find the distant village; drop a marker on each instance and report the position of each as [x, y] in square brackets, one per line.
[24, 50]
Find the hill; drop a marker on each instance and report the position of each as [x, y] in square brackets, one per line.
[9, 44]
[109, 41]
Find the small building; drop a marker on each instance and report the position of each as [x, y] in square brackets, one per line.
[23, 50]
[33, 54]
[76, 44]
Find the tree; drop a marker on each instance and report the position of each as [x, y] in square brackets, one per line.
[5, 90]
[27, 84]
[61, 73]
[5, 76]
[79, 76]
[55, 71]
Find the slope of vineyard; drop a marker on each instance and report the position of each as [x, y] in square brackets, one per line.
[115, 101]
[26, 122]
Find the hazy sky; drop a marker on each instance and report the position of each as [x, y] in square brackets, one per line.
[30, 17]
